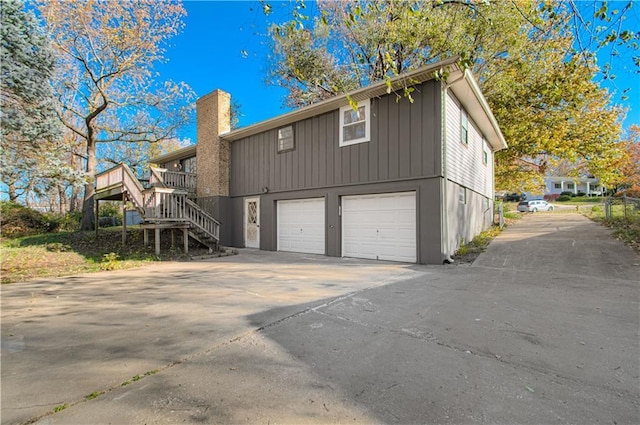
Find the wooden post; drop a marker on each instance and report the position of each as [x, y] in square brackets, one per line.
[157, 241]
[185, 232]
[124, 218]
[173, 238]
[97, 216]
[145, 235]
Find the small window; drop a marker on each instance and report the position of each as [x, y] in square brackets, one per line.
[485, 154]
[285, 139]
[570, 186]
[464, 127]
[355, 124]
[557, 186]
[462, 195]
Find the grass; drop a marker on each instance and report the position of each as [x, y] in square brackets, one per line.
[60, 408]
[626, 229]
[468, 252]
[67, 253]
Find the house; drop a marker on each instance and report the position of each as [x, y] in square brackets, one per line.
[395, 179]
[555, 185]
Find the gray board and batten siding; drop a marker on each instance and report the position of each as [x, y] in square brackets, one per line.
[403, 155]
[405, 143]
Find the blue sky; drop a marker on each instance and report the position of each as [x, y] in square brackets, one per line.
[208, 55]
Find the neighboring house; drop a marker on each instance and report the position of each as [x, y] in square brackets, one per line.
[555, 185]
[395, 180]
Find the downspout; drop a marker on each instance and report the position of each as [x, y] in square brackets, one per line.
[444, 239]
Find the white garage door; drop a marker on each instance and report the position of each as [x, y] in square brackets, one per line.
[380, 227]
[301, 226]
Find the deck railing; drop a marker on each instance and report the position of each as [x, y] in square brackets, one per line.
[176, 179]
[122, 174]
[162, 202]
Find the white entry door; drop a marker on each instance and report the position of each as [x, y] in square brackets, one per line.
[380, 227]
[301, 226]
[252, 222]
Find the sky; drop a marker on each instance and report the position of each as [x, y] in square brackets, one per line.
[224, 45]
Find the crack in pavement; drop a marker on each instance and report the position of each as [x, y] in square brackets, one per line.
[430, 338]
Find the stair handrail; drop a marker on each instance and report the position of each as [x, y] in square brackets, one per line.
[156, 177]
[133, 186]
[202, 220]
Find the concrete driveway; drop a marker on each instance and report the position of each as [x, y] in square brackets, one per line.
[542, 328]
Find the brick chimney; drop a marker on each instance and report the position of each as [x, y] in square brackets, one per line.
[213, 155]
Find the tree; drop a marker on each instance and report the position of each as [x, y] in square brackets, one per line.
[630, 168]
[30, 148]
[540, 87]
[106, 89]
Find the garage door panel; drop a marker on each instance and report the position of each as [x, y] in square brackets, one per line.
[380, 226]
[301, 226]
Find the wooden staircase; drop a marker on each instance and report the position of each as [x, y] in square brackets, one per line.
[165, 204]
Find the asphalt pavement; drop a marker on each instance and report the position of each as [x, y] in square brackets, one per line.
[541, 328]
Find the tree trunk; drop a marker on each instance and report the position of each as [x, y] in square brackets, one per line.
[62, 199]
[88, 215]
[73, 198]
[13, 194]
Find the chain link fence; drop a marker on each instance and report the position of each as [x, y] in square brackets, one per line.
[624, 207]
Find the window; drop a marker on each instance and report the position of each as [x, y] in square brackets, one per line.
[462, 195]
[188, 165]
[485, 154]
[570, 186]
[557, 186]
[355, 124]
[464, 127]
[285, 139]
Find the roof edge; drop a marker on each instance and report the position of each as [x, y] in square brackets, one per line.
[417, 76]
[177, 154]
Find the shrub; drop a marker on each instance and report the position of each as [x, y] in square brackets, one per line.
[109, 261]
[18, 220]
[563, 198]
[71, 221]
[551, 197]
[109, 209]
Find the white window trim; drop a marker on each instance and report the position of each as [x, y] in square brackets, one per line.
[367, 132]
[293, 140]
[485, 152]
[464, 124]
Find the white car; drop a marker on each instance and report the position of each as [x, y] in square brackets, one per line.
[534, 206]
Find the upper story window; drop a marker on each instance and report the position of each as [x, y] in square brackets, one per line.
[355, 125]
[485, 153]
[464, 127]
[188, 165]
[285, 139]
